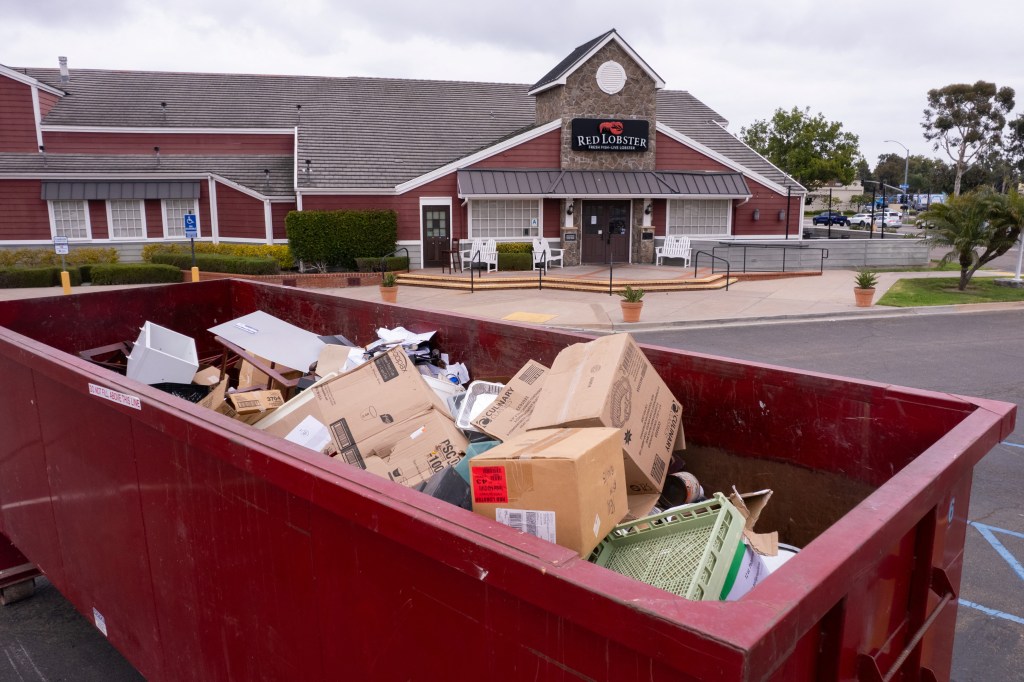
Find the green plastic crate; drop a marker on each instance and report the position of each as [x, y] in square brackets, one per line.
[690, 551]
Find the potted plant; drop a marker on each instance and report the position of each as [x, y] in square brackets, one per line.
[389, 287]
[864, 292]
[632, 303]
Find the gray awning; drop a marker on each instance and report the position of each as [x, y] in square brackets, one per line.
[62, 190]
[646, 184]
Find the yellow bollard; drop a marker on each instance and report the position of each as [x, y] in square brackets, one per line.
[195, 274]
[65, 281]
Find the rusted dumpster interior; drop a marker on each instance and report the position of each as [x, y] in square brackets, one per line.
[203, 540]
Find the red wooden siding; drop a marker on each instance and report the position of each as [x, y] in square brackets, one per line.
[24, 215]
[278, 213]
[769, 203]
[659, 217]
[46, 102]
[154, 219]
[672, 155]
[169, 143]
[407, 206]
[542, 152]
[551, 218]
[98, 219]
[239, 216]
[17, 120]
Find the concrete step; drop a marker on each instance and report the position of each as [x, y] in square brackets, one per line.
[449, 282]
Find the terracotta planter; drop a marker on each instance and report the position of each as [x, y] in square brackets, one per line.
[631, 311]
[389, 294]
[863, 296]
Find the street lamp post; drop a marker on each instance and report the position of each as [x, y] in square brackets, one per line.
[906, 166]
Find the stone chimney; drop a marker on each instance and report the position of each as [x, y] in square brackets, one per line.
[65, 76]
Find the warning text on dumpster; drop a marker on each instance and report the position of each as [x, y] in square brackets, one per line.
[490, 485]
[115, 396]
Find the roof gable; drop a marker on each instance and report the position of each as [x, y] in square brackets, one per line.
[28, 80]
[582, 54]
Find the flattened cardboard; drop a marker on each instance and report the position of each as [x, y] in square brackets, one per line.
[609, 382]
[508, 415]
[576, 475]
[412, 451]
[750, 506]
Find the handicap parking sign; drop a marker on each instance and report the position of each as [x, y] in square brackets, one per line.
[191, 226]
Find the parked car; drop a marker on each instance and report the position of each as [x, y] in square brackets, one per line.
[829, 218]
[886, 220]
[895, 218]
[862, 219]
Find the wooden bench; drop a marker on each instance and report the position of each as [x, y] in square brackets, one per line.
[675, 246]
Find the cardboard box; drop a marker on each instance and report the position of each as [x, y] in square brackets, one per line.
[251, 402]
[412, 451]
[217, 401]
[250, 376]
[208, 376]
[566, 486]
[609, 382]
[511, 410]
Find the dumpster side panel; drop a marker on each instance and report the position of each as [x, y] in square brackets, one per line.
[26, 511]
[98, 515]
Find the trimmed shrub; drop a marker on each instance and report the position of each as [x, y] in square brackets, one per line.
[212, 262]
[34, 258]
[135, 273]
[278, 252]
[515, 261]
[513, 247]
[22, 278]
[337, 238]
[391, 264]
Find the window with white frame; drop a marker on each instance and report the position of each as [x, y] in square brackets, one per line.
[175, 211]
[127, 219]
[70, 219]
[699, 216]
[505, 218]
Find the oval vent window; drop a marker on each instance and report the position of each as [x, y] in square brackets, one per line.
[611, 77]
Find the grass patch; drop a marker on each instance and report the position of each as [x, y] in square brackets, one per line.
[933, 266]
[907, 293]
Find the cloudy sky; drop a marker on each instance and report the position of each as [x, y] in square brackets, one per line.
[867, 64]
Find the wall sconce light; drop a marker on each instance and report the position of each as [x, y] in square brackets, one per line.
[648, 209]
[568, 209]
[308, 162]
[757, 214]
[782, 216]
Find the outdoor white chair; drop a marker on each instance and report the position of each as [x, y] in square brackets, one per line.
[467, 254]
[543, 253]
[488, 249]
[675, 246]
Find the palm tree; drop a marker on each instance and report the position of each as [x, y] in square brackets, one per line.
[965, 224]
[1008, 214]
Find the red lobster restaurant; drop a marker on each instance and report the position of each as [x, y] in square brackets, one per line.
[596, 157]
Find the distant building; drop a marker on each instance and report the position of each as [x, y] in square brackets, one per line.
[596, 156]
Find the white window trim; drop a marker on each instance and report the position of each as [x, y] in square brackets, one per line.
[110, 221]
[728, 219]
[540, 218]
[195, 210]
[88, 221]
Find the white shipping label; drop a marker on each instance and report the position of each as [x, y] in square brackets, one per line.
[540, 524]
[101, 622]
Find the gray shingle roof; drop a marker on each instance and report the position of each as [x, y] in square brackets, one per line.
[246, 170]
[506, 182]
[357, 133]
[569, 61]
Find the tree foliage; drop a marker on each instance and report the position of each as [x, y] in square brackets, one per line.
[811, 149]
[977, 221]
[966, 121]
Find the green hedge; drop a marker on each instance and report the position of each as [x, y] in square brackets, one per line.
[337, 238]
[38, 258]
[391, 264]
[278, 252]
[513, 247]
[515, 261]
[137, 273]
[23, 278]
[211, 262]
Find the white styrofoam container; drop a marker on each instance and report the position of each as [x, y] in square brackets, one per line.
[163, 355]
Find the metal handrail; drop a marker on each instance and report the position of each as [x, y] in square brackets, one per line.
[384, 258]
[822, 253]
[696, 261]
[543, 266]
[476, 259]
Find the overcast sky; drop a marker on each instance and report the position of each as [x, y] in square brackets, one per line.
[867, 64]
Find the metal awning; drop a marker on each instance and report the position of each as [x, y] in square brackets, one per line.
[578, 184]
[76, 189]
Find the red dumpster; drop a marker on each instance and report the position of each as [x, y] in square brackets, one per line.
[207, 550]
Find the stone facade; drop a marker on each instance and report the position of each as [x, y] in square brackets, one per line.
[641, 250]
[581, 97]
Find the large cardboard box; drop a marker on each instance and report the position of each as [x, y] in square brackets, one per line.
[511, 410]
[412, 451]
[609, 382]
[566, 486]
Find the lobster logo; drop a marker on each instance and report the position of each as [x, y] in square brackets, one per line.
[611, 127]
